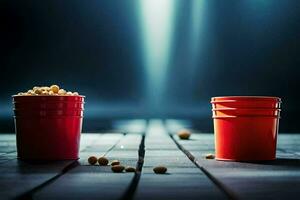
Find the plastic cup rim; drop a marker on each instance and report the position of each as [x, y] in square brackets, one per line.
[245, 116]
[231, 99]
[48, 96]
[233, 109]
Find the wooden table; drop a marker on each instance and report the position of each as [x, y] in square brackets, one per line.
[190, 175]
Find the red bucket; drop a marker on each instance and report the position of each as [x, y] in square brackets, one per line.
[48, 127]
[246, 128]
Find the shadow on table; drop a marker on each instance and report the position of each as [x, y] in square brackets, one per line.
[287, 162]
[45, 166]
[279, 162]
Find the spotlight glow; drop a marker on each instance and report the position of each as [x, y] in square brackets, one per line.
[196, 37]
[156, 23]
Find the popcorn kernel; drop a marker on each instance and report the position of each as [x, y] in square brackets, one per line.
[102, 161]
[117, 168]
[115, 162]
[210, 156]
[62, 91]
[160, 170]
[54, 88]
[92, 160]
[184, 134]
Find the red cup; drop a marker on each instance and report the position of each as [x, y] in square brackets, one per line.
[246, 102]
[221, 112]
[246, 128]
[48, 127]
[49, 113]
[48, 105]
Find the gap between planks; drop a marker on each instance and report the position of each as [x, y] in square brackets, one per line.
[230, 194]
[29, 194]
[129, 194]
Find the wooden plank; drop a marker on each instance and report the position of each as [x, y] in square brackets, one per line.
[7, 137]
[130, 126]
[289, 143]
[18, 177]
[7, 157]
[274, 179]
[7, 143]
[100, 146]
[97, 182]
[183, 180]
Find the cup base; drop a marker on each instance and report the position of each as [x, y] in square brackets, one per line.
[243, 160]
[46, 160]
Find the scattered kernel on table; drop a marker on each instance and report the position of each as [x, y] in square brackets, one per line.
[103, 161]
[115, 162]
[184, 134]
[117, 168]
[92, 160]
[130, 169]
[49, 91]
[160, 170]
[210, 156]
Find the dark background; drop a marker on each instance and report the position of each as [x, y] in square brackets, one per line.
[248, 47]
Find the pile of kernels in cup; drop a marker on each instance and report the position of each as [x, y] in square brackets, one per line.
[116, 166]
[53, 90]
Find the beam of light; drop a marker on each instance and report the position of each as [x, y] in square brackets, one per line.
[156, 25]
[196, 29]
[156, 129]
[132, 125]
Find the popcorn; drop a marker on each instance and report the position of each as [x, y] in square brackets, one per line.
[47, 91]
[54, 88]
[61, 92]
